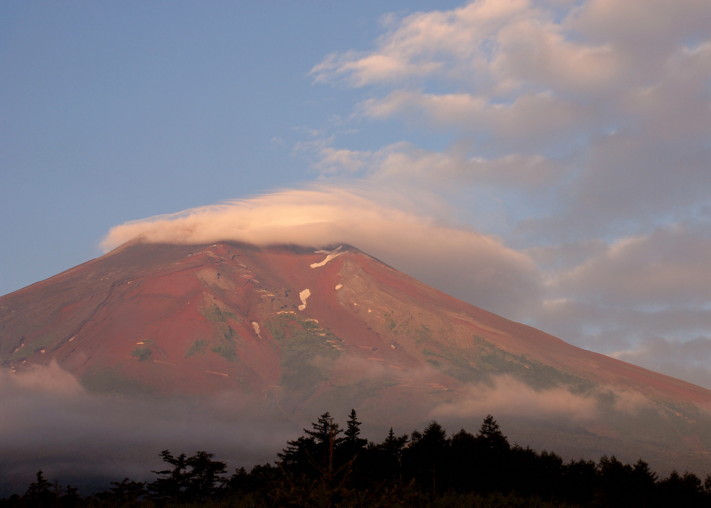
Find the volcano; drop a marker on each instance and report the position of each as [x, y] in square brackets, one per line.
[305, 330]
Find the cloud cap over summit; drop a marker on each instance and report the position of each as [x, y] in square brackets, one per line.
[409, 233]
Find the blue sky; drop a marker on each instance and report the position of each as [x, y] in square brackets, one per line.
[547, 160]
[113, 112]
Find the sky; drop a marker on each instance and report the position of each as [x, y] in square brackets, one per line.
[547, 160]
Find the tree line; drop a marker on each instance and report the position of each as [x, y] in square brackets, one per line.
[331, 466]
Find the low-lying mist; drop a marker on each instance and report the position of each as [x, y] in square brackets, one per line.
[50, 422]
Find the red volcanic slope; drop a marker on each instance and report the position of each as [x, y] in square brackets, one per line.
[162, 299]
[307, 329]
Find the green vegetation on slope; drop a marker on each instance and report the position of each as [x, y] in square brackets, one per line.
[305, 346]
[143, 352]
[226, 345]
[196, 348]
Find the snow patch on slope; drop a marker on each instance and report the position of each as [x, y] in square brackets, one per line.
[256, 328]
[304, 295]
[330, 255]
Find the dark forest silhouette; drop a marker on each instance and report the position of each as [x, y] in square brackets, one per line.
[331, 466]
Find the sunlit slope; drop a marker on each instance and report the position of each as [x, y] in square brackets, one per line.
[306, 330]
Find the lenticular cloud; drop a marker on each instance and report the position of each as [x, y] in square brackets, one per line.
[404, 233]
[304, 217]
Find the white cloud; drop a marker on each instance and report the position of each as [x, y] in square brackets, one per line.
[596, 86]
[406, 166]
[666, 267]
[334, 161]
[690, 360]
[639, 25]
[509, 396]
[643, 299]
[532, 122]
[366, 69]
[497, 47]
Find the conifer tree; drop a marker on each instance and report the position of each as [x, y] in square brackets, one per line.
[427, 457]
[352, 442]
[194, 478]
[325, 434]
[492, 469]
[491, 437]
[39, 493]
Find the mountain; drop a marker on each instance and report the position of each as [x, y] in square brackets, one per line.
[302, 330]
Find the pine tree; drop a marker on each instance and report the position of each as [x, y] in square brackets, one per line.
[427, 457]
[193, 478]
[352, 442]
[325, 432]
[172, 481]
[313, 454]
[125, 492]
[493, 457]
[491, 437]
[40, 494]
[390, 454]
[205, 476]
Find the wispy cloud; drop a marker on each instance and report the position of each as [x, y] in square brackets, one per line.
[509, 396]
[666, 267]
[626, 106]
[687, 359]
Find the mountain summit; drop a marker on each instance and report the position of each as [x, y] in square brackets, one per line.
[305, 330]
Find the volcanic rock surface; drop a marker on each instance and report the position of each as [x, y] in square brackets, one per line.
[306, 330]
